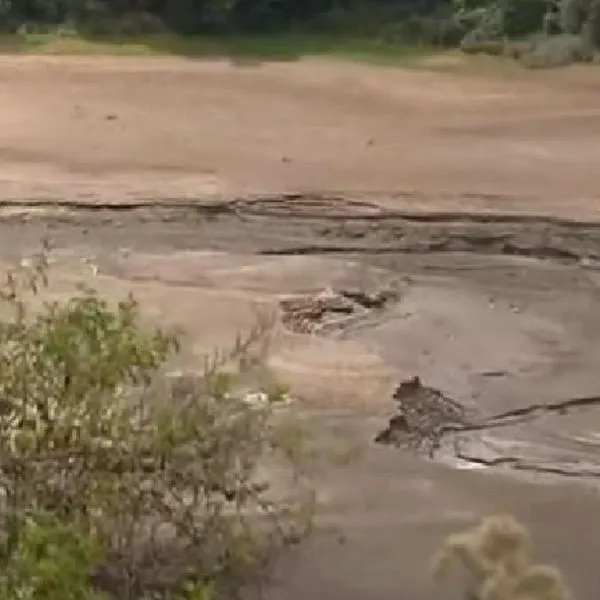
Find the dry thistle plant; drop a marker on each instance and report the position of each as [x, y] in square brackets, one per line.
[495, 556]
[109, 471]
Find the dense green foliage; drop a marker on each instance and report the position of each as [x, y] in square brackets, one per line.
[548, 32]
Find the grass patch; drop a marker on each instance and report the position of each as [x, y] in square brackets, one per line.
[278, 47]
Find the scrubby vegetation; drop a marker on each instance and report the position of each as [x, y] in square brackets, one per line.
[118, 482]
[538, 32]
[495, 556]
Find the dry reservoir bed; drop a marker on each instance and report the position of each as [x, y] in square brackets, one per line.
[496, 315]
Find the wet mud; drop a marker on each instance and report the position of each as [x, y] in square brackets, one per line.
[483, 303]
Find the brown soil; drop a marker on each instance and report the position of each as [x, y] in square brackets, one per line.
[116, 128]
[213, 191]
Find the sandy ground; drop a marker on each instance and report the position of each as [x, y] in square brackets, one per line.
[121, 127]
[516, 298]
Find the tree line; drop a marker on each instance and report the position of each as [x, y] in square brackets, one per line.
[563, 27]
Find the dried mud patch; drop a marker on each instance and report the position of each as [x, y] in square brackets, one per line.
[422, 414]
[540, 439]
[331, 309]
[369, 296]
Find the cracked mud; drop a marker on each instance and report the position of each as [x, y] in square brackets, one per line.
[498, 311]
[424, 416]
[330, 310]
[428, 421]
[314, 225]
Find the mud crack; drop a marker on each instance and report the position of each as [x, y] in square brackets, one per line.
[310, 224]
[429, 422]
[332, 309]
[424, 415]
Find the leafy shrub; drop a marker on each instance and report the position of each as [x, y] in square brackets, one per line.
[517, 49]
[439, 29]
[136, 23]
[580, 17]
[49, 560]
[167, 479]
[572, 15]
[523, 17]
[477, 43]
[570, 28]
[557, 51]
[480, 21]
[495, 556]
[591, 28]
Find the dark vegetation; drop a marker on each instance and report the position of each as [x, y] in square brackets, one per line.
[117, 480]
[537, 32]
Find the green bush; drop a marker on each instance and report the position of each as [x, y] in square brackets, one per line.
[166, 479]
[557, 51]
[439, 29]
[480, 21]
[572, 15]
[570, 29]
[523, 17]
[478, 43]
[49, 560]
